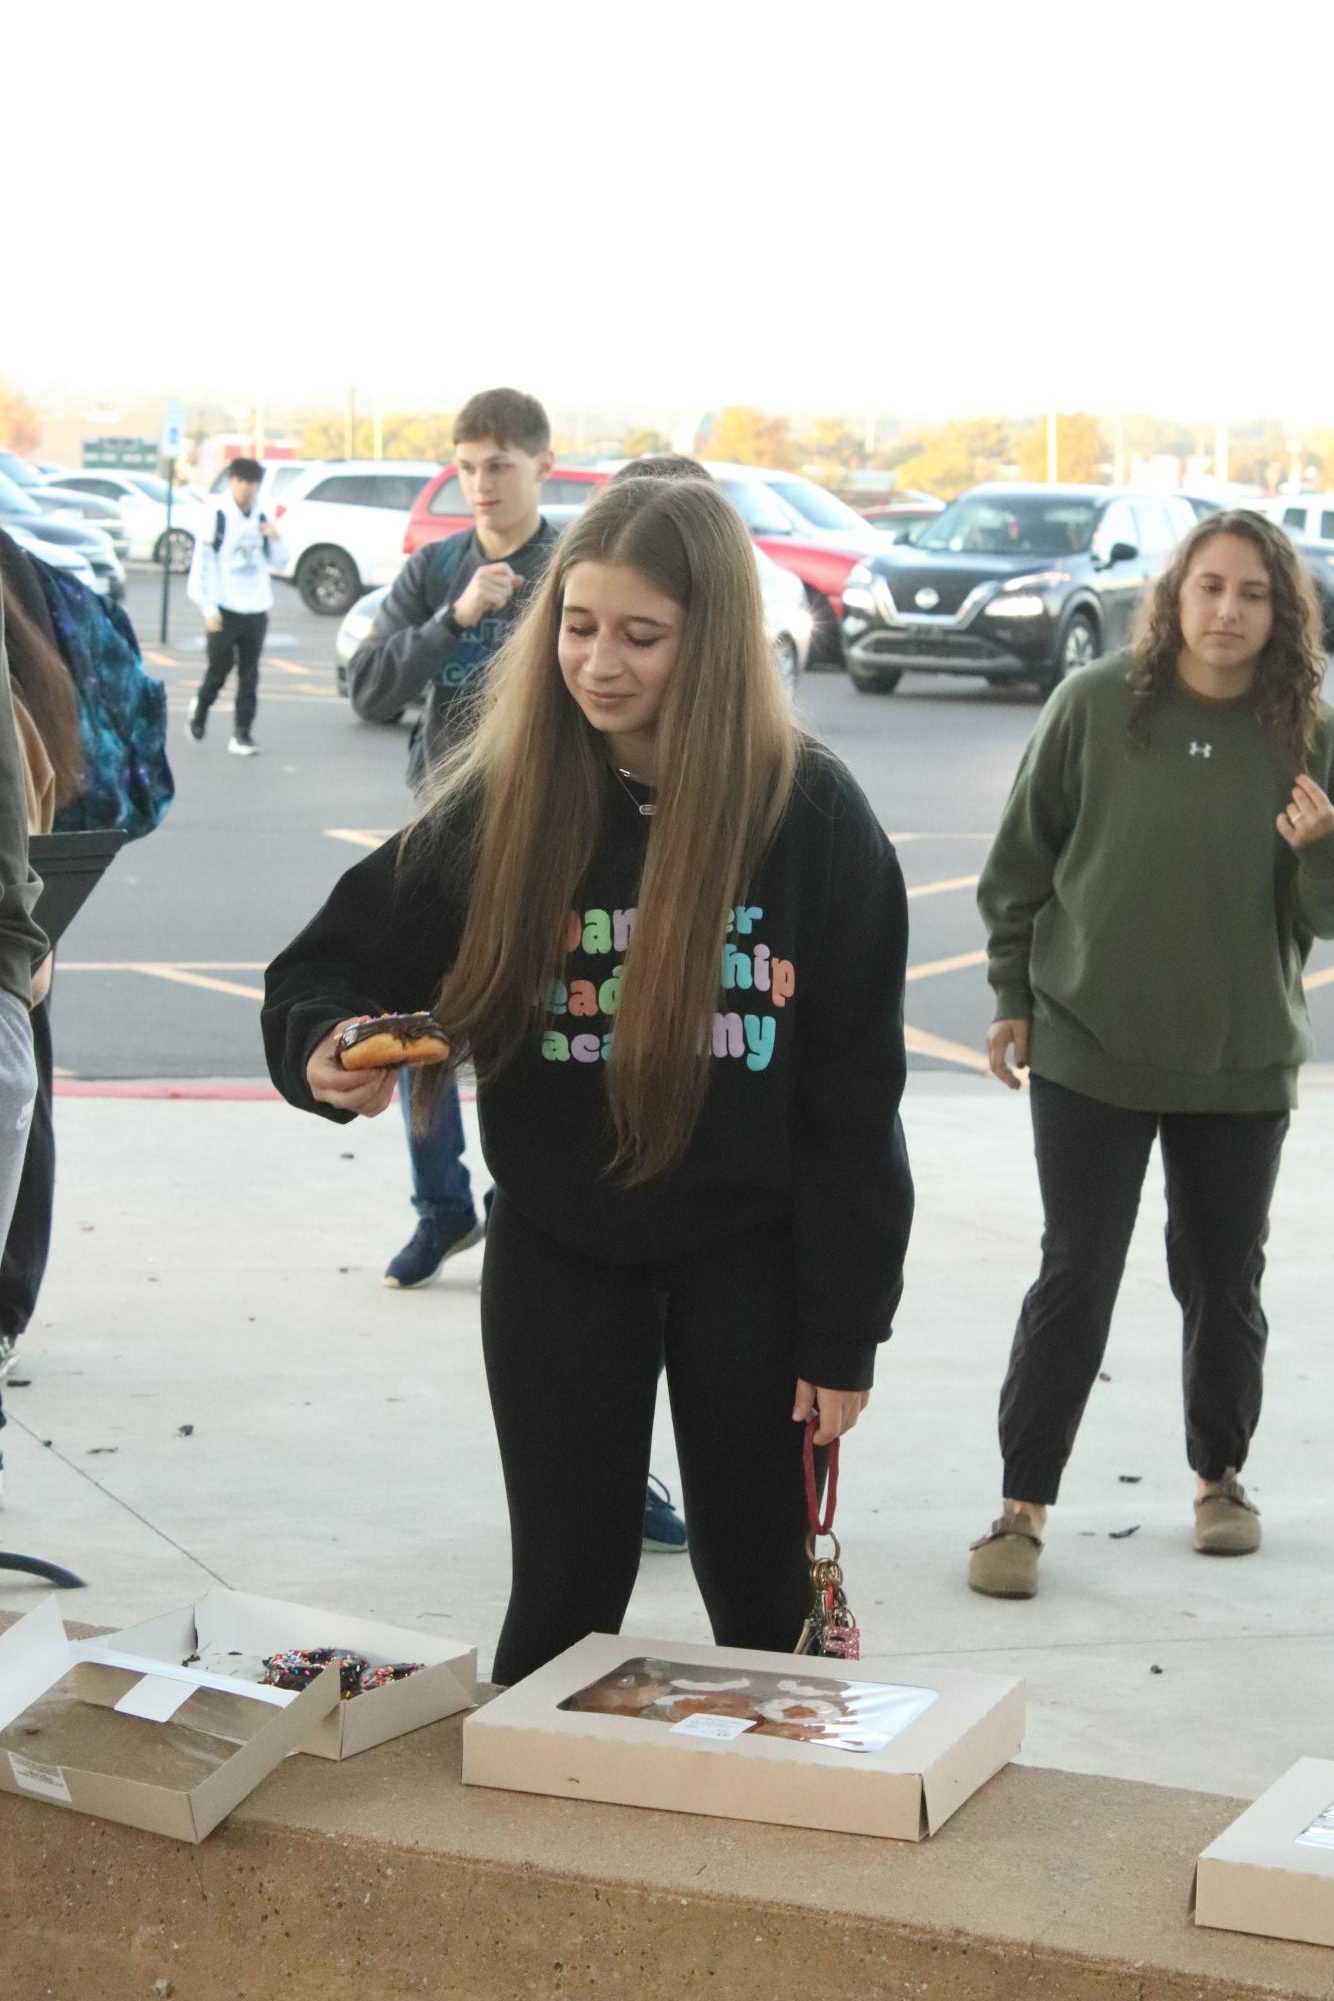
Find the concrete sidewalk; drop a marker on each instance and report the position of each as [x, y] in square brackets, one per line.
[217, 1265]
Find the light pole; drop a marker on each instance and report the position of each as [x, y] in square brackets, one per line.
[1221, 451]
[1051, 448]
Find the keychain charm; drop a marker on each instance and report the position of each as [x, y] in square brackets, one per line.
[830, 1629]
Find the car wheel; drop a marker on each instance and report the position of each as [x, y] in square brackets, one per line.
[826, 654]
[788, 660]
[1078, 647]
[875, 680]
[328, 582]
[179, 546]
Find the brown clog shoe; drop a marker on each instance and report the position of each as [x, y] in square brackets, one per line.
[1004, 1563]
[1226, 1523]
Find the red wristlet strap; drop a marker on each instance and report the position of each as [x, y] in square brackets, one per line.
[818, 1527]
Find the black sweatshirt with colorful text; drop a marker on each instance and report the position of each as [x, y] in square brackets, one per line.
[800, 1122]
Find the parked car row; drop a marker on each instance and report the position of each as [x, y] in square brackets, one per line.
[78, 544]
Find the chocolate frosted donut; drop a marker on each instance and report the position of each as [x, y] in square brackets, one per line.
[392, 1039]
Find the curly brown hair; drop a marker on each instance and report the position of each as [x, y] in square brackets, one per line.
[1291, 669]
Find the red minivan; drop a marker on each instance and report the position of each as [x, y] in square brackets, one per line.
[441, 510]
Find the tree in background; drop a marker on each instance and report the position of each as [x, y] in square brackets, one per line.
[1082, 452]
[20, 430]
[830, 450]
[953, 457]
[751, 438]
[644, 442]
[404, 437]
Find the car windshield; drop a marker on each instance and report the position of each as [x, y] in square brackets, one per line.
[13, 500]
[1011, 525]
[148, 483]
[813, 504]
[19, 471]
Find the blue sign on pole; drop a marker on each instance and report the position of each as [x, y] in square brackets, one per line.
[173, 430]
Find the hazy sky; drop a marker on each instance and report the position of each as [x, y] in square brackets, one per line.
[926, 208]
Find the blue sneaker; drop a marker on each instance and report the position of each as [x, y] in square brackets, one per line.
[430, 1244]
[664, 1531]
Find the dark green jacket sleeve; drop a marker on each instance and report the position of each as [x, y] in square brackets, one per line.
[23, 945]
[1314, 883]
[1019, 872]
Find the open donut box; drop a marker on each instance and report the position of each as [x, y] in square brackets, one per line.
[857, 1747]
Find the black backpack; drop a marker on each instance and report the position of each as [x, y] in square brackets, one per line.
[220, 529]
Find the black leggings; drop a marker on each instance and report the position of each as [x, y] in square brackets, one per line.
[1221, 1169]
[572, 1350]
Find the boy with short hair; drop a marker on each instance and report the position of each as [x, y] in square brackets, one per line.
[433, 637]
[230, 581]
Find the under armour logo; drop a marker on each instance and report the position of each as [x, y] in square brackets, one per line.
[1201, 750]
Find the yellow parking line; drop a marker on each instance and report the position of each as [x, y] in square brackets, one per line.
[933, 967]
[291, 666]
[1324, 978]
[941, 888]
[919, 1043]
[201, 980]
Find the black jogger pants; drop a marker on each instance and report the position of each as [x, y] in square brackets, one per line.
[1221, 1168]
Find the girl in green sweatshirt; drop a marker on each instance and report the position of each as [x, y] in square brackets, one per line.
[1164, 861]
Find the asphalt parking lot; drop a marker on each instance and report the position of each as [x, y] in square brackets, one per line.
[160, 974]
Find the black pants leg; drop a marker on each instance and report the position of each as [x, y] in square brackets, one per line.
[572, 1349]
[1091, 1164]
[28, 1244]
[730, 1343]
[251, 627]
[220, 652]
[1221, 1174]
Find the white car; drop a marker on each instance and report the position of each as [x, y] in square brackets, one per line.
[343, 523]
[142, 500]
[1308, 517]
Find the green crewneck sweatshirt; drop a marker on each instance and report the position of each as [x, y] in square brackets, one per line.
[1142, 908]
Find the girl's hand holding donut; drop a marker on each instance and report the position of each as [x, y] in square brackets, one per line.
[1308, 815]
[837, 1410]
[366, 1091]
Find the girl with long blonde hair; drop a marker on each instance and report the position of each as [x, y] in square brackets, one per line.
[669, 934]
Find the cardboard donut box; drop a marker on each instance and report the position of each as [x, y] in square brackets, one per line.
[166, 1725]
[855, 1747]
[1272, 1871]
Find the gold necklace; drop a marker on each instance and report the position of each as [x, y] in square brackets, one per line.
[646, 807]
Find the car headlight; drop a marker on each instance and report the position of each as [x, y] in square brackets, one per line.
[1019, 598]
[860, 573]
[1016, 604]
[857, 598]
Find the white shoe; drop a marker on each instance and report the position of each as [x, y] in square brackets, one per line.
[242, 746]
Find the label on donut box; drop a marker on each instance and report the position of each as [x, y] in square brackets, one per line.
[751, 1736]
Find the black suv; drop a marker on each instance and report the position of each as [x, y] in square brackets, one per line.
[1015, 583]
